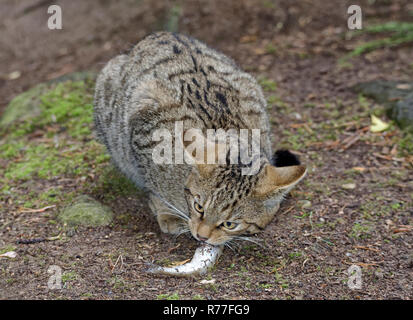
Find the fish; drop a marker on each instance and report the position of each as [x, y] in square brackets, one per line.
[204, 258]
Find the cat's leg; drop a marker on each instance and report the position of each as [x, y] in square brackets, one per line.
[165, 217]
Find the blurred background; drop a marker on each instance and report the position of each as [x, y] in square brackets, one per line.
[259, 34]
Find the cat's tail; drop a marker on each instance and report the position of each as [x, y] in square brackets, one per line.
[284, 158]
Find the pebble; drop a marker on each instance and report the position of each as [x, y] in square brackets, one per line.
[349, 186]
[304, 204]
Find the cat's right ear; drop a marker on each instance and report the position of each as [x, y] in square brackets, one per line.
[273, 179]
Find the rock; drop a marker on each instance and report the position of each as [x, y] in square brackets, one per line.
[379, 274]
[27, 105]
[23, 107]
[349, 186]
[396, 97]
[304, 204]
[86, 211]
[403, 112]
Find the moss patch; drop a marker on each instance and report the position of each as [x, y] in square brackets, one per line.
[23, 107]
[52, 143]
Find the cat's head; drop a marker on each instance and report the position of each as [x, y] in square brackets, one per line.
[224, 204]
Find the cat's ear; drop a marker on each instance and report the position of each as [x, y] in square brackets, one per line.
[198, 151]
[273, 179]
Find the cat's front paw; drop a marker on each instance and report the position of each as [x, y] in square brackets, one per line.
[169, 224]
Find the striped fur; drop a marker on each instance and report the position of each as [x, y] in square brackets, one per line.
[170, 77]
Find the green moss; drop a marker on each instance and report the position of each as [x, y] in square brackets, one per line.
[268, 84]
[360, 230]
[400, 33]
[54, 142]
[44, 161]
[24, 107]
[7, 249]
[406, 143]
[69, 104]
[69, 276]
[271, 49]
[173, 296]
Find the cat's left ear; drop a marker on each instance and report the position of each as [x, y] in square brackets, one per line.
[273, 179]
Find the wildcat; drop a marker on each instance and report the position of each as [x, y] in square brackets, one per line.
[169, 77]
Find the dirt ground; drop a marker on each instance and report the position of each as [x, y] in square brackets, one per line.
[354, 207]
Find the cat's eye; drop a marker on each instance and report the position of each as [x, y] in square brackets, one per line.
[199, 208]
[229, 225]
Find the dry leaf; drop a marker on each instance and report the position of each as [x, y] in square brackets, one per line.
[10, 254]
[378, 125]
[14, 75]
[403, 86]
[248, 38]
[179, 263]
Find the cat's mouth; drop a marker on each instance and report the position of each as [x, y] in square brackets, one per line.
[209, 241]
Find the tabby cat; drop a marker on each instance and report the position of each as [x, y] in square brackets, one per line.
[169, 77]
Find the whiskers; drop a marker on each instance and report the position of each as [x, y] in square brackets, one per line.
[184, 229]
[177, 215]
[176, 212]
[234, 242]
[231, 244]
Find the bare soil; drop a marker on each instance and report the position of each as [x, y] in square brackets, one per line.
[359, 186]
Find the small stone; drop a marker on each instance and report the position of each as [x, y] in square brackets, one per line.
[304, 204]
[86, 211]
[404, 86]
[379, 274]
[23, 107]
[14, 75]
[212, 281]
[349, 186]
[396, 97]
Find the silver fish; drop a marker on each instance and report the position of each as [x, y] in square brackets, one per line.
[204, 258]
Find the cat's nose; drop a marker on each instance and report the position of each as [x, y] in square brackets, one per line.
[201, 238]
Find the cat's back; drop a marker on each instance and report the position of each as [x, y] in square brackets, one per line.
[165, 78]
[191, 74]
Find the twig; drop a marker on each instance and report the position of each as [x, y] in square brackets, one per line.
[174, 248]
[30, 241]
[366, 248]
[288, 210]
[37, 210]
[117, 260]
[402, 228]
[37, 240]
[364, 265]
[389, 158]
